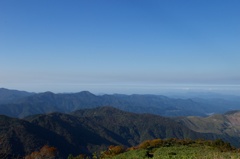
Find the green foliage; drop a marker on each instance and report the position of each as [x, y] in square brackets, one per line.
[180, 149]
[223, 146]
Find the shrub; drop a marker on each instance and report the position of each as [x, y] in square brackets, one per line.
[46, 152]
[113, 151]
[144, 145]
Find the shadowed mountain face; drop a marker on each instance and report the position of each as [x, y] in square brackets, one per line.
[87, 131]
[135, 127]
[19, 137]
[24, 104]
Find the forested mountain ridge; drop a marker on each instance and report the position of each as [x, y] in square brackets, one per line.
[87, 131]
[9, 96]
[39, 103]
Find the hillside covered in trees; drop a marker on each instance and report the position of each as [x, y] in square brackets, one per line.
[90, 130]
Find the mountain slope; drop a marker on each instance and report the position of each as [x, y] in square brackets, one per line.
[19, 137]
[175, 148]
[228, 123]
[136, 127]
[87, 131]
[222, 124]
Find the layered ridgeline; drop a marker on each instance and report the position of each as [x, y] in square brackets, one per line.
[21, 104]
[227, 124]
[88, 131]
[9, 96]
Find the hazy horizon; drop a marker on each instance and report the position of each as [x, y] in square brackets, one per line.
[129, 46]
[167, 90]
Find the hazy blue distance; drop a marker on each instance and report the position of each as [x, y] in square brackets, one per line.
[120, 46]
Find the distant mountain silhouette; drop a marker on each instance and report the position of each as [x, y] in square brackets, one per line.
[7, 95]
[22, 104]
[86, 131]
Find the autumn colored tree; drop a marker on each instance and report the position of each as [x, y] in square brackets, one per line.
[112, 151]
[144, 145]
[46, 152]
[81, 156]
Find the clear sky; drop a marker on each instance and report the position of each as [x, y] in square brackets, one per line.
[119, 46]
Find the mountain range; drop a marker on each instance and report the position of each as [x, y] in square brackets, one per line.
[82, 122]
[90, 130]
[21, 104]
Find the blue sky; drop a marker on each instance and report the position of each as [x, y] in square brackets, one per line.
[119, 46]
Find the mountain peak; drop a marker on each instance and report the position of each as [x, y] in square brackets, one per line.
[86, 93]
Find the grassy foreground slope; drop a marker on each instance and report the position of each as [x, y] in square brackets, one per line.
[177, 149]
[180, 152]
